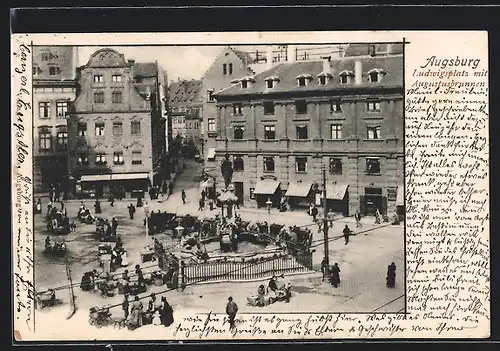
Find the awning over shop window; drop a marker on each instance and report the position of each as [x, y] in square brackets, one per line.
[114, 176]
[266, 187]
[336, 191]
[298, 189]
[400, 197]
[211, 153]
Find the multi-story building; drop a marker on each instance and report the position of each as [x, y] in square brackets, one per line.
[54, 90]
[185, 105]
[283, 127]
[117, 131]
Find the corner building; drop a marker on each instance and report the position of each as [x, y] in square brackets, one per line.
[117, 132]
[283, 126]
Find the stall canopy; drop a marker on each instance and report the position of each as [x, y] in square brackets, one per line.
[266, 187]
[298, 189]
[400, 196]
[207, 183]
[114, 176]
[336, 191]
[211, 153]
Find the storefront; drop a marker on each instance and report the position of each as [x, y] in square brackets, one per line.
[299, 195]
[373, 200]
[267, 189]
[337, 198]
[120, 184]
[400, 202]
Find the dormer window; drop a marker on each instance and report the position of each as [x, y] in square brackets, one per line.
[375, 75]
[303, 80]
[246, 82]
[346, 77]
[324, 78]
[271, 82]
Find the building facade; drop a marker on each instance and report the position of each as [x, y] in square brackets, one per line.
[117, 131]
[54, 90]
[283, 127]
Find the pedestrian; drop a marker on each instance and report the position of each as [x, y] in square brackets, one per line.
[203, 194]
[136, 314]
[391, 275]
[347, 233]
[377, 216]
[111, 199]
[335, 278]
[211, 204]
[231, 310]
[183, 196]
[51, 193]
[357, 217]
[125, 305]
[131, 211]
[324, 269]
[166, 312]
[114, 226]
[140, 276]
[201, 204]
[314, 212]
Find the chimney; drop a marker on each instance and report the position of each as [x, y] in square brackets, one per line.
[326, 64]
[291, 53]
[269, 57]
[358, 72]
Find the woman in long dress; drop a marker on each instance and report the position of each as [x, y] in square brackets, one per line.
[166, 312]
[391, 275]
[135, 320]
[335, 275]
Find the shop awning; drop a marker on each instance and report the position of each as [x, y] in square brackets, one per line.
[114, 176]
[266, 187]
[336, 191]
[211, 153]
[400, 196]
[298, 189]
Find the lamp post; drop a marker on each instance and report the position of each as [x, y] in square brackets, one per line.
[180, 232]
[325, 220]
[269, 203]
[146, 212]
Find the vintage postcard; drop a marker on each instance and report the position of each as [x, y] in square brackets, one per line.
[225, 186]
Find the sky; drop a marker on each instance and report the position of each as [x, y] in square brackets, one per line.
[180, 62]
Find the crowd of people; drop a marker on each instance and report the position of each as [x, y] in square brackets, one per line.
[157, 312]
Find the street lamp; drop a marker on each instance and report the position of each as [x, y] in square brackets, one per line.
[269, 203]
[180, 231]
[146, 212]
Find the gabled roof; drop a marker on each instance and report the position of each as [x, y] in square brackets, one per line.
[145, 69]
[288, 73]
[244, 56]
[184, 92]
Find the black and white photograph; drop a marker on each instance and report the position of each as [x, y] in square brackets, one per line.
[222, 178]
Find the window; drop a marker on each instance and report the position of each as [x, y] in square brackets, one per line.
[268, 108]
[54, 70]
[372, 165]
[62, 138]
[118, 158]
[100, 159]
[45, 138]
[336, 131]
[300, 164]
[45, 56]
[373, 77]
[269, 132]
[335, 106]
[322, 80]
[117, 129]
[44, 110]
[224, 69]
[82, 160]
[98, 78]
[302, 132]
[302, 81]
[300, 107]
[345, 77]
[230, 68]
[210, 95]
[239, 132]
[135, 128]
[373, 132]
[237, 109]
[116, 78]
[99, 129]
[36, 70]
[136, 158]
[61, 109]
[238, 164]
[373, 106]
[244, 84]
[268, 164]
[82, 129]
[211, 124]
[335, 165]
[116, 97]
[99, 97]
[269, 83]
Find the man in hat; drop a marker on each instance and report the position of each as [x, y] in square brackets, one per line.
[125, 305]
[231, 310]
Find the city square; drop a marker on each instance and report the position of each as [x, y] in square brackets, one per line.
[291, 210]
